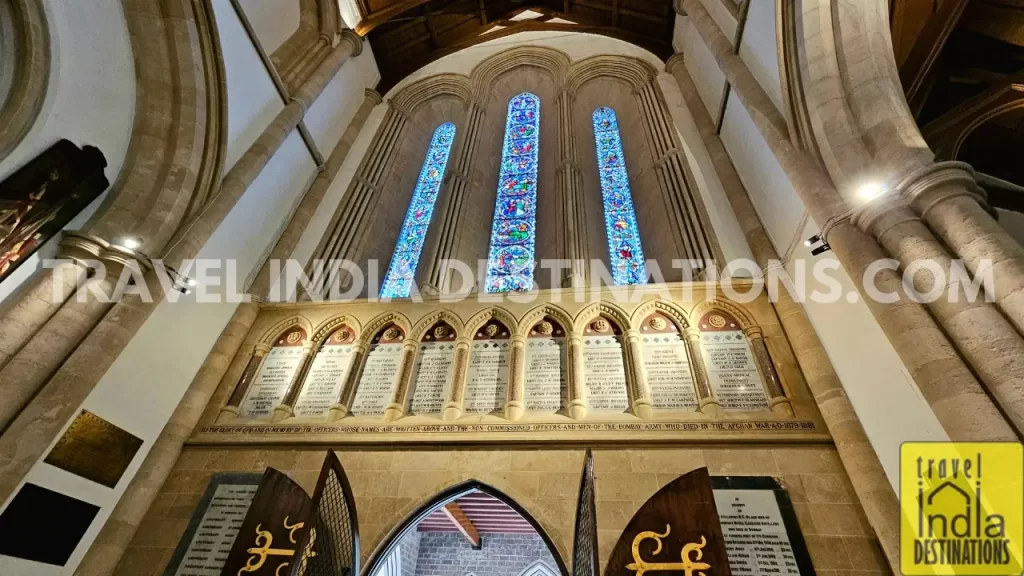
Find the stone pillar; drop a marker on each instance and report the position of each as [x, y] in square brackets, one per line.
[436, 257]
[453, 407]
[947, 197]
[986, 339]
[348, 389]
[515, 407]
[954, 394]
[687, 209]
[642, 407]
[230, 410]
[569, 188]
[346, 231]
[311, 201]
[708, 402]
[396, 409]
[576, 384]
[286, 409]
[131, 508]
[772, 384]
[862, 465]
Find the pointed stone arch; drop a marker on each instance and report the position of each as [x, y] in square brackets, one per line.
[555, 62]
[537, 314]
[538, 568]
[745, 319]
[425, 323]
[633, 71]
[411, 97]
[297, 321]
[414, 513]
[670, 309]
[496, 313]
[325, 328]
[383, 321]
[611, 311]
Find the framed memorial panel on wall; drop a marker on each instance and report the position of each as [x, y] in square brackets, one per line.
[276, 373]
[604, 367]
[488, 374]
[731, 366]
[546, 381]
[326, 375]
[377, 382]
[432, 373]
[667, 365]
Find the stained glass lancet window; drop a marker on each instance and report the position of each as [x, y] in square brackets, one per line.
[627, 257]
[402, 271]
[510, 259]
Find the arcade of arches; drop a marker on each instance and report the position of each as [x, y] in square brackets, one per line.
[446, 148]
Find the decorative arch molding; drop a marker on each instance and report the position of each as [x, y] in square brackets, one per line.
[538, 568]
[271, 334]
[411, 97]
[421, 327]
[670, 309]
[28, 41]
[633, 71]
[596, 309]
[441, 495]
[331, 324]
[537, 314]
[297, 57]
[384, 320]
[555, 62]
[738, 312]
[497, 313]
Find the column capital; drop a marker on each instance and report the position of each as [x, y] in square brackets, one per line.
[78, 245]
[673, 61]
[931, 185]
[354, 40]
[373, 96]
[879, 215]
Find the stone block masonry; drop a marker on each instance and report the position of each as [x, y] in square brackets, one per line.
[450, 554]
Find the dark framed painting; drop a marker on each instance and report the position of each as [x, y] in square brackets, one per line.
[40, 198]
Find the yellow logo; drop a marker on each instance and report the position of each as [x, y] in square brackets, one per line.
[963, 508]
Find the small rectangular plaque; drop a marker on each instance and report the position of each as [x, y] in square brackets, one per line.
[95, 450]
[44, 526]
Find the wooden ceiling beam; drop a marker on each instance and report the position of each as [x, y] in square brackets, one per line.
[430, 26]
[615, 13]
[463, 523]
[920, 62]
[483, 14]
[624, 11]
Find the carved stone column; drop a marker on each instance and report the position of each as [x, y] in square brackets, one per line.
[347, 230]
[230, 410]
[348, 389]
[515, 407]
[287, 407]
[395, 410]
[453, 408]
[436, 257]
[685, 207]
[708, 402]
[642, 407]
[569, 188]
[576, 385]
[777, 399]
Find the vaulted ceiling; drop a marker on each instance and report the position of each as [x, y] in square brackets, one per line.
[407, 34]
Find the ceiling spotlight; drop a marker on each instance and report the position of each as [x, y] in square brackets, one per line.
[191, 282]
[130, 243]
[870, 191]
[821, 250]
[812, 240]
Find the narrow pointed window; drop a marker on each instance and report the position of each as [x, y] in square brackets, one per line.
[511, 254]
[402, 272]
[627, 257]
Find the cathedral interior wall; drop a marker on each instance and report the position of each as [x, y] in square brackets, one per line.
[274, 22]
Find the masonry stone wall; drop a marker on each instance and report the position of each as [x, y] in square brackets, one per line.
[450, 554]
[409, 549]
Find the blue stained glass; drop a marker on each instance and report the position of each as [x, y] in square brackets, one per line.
[511, 255]
[399, 279]
[627, 257]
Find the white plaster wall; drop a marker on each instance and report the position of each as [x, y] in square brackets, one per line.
[144, 385]
[90, 99]
[273, 21]
[759, 48]
[349, 12]
[703, 68]
[329, 117]
[723, 220]
[253, 102]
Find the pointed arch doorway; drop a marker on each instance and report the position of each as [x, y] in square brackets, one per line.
[471, 525]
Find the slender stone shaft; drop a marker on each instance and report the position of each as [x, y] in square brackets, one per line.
[569, 184]
[515, 408]
[453, 407]
[577, 389]
[642, 407]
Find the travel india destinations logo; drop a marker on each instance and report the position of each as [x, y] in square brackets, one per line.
[963, 508]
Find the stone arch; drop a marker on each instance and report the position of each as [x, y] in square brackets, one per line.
[29, 68]
[633, 71]
[383, 321]
[498, 313]
[670, 309]
[270, 335]
[596, 309]
[425, 323]
[414, 513]
[420, 92]
[537, 314]
[321, 332]
[538, 568]
[738, 312]
[555, 62]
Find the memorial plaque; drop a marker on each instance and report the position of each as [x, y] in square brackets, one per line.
[546, 381]
[377, 382]
[94, 449]
[760, 527]
[667, 365]
[270, 386]
[432, 375]
[604, 372]
[487, 377]
[326, 375]
[730, 363]
[215, 523]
